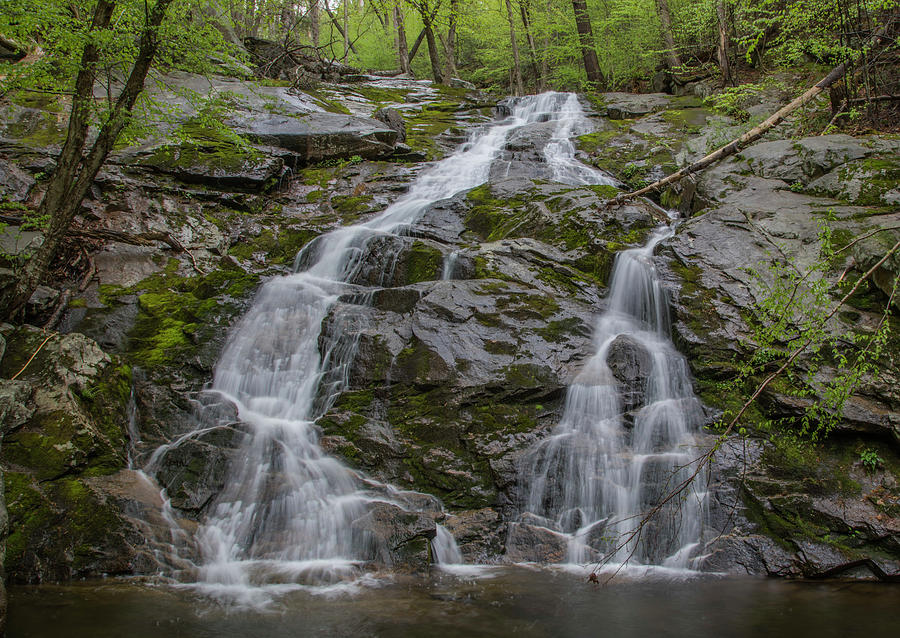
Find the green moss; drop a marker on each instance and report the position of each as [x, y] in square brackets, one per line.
[524, 306]
[350, 207]
[280, 248]
[178, 313]
[501, 347]
[327, 103]
[381, 96]
[560, 330]
[423, 263]
[29, 514]
[425, 126]
[315, 196]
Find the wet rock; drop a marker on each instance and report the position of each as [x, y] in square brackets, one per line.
[396, 537]
[479, 534]
[622, 106]
[221, 168]
[316, 137]
[194, 470]
[63, 423]
[530, 543]
[14, 182]
[394, 121]
[631, 365]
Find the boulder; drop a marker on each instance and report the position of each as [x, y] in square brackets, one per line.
[396, 537]
[623, 106]
[630, 364]
[317, 137]
[394, 121]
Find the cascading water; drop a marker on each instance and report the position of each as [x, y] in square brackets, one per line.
[617, 450]
[287, 510]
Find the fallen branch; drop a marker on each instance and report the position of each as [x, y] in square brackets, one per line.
[134, 239]
[758, 131]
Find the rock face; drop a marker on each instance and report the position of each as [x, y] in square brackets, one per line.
[821, 505]
[463, 351]
[63, 425]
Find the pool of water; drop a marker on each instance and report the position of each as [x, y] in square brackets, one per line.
[511, 601]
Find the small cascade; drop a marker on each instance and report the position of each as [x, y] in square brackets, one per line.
[626, 436]
[288, 509]
[444, 548]
[449, 266]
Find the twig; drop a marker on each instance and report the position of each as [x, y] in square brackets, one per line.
[49, 336]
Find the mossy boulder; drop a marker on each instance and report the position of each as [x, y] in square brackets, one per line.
[69, 426]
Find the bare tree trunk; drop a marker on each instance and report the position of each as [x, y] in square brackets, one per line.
[433, 53]
[722, 49]
[402, 51]
[314, 22]
[450, 41]
[665, 18]
[586, 38]
[517, 69]
[337, 25]
[526, 20]
[75, 172]
[346, 32]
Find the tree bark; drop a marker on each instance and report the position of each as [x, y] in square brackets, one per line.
[402, 51]
[75, 172]
[314, 22]
[586, 39]
[436, 70]
[722, 48]
[526, 20]
[665, 18]
[421, 37]
[450, 41]
[337, 25]
[517, 68]
[346, 32]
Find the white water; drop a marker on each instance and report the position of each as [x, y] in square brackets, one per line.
[286, 514]
[601, 470]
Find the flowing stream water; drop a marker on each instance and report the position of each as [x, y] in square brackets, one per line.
[287, 511]
[624, 440]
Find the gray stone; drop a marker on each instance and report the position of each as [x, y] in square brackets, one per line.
[530, 543]
[622, 106]
[630, 364]
[394, 121]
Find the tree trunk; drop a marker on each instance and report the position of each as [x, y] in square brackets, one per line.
[450, 41]
[517, 68]
[75, 172]
[722, 49]
[665, 18]
[337, 25]
[314, 22]
[433, 53]
[402, 51]
[586, 39]
[346, 32]
[421, 37]
[526, 20]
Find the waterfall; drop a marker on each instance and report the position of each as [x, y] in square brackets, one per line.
[286, 512]
[626, 435]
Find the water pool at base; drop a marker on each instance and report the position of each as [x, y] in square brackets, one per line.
[514, 601]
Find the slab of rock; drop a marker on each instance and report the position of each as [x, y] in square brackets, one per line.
[624, 106]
